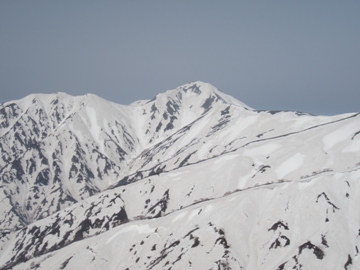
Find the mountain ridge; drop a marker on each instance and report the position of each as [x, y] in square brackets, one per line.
[81, 176]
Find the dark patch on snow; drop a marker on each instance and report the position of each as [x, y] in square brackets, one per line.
[188, 194]
[223, 264]
[218, 127]
[43, 178]
[261, 169]
[222, 241]
[54, 101]
[328, 201]
[262, 134]
[207, 104]
[170, 125]
[182, 163]
[355, 134]
[323, 241]
[158, 127]
[164, 252]
[177, 259]
[348, 262]
[119, 217]
[9, 112]
[17, 166]
[179, 95]
[279, 224]
[160, 207]
[172, 107]
[65, 263]
[196, 242]
[156, 170]
[281, 241]
[317, 251]
[189, 233]
[281, 266]
[273, 112]
[194, 88]
[226, 111]
[153, 110]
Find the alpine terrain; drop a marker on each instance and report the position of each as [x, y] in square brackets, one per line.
[192, 179]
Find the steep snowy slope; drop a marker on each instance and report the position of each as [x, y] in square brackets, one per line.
[57, 150]
[63, 149]
[192, 179]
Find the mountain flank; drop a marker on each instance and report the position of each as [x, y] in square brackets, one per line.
[192, 179]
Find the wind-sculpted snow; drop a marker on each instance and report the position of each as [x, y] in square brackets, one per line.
[192, 179]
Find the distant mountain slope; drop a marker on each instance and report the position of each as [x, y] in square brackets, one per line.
[191, 179]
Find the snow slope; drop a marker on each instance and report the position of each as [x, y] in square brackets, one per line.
[192, 179]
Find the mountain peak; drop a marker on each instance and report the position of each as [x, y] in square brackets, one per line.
[198, 87]
[198, 93]
[174, 109]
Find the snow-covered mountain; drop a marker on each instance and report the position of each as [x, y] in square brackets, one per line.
[192, 179]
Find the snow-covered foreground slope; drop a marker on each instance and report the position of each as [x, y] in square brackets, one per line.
[192, 179]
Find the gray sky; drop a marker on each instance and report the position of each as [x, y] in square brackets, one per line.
[280, 55]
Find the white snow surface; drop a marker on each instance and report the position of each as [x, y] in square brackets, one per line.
[192, 179]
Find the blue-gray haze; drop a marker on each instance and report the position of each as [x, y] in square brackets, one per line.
[280, 55]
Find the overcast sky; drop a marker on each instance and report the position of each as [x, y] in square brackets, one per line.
[280, 55]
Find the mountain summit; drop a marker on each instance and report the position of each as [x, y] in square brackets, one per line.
[192, 179]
